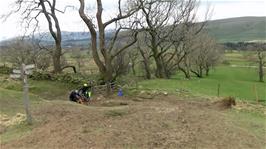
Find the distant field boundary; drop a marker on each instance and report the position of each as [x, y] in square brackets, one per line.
[241, 66]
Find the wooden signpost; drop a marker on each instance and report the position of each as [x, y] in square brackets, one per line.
[22, 73]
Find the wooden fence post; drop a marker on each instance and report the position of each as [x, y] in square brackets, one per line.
[256, 93]
[218, 90]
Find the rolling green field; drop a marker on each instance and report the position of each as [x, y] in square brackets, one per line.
[238, 82]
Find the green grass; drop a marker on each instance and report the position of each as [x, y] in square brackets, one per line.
[253, 122]
[16, 131]
[237, 58]
[237, 82]
[11, 95]
[234, 81]
[11, 102]
[50, 90]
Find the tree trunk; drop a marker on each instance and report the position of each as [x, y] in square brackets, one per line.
[196, 73]
[108, 73]
[56, 34]
[261, 73]
[147, 70]
[168, 74]
[200, 71]
[57, 58]
[207, 71]
[160, 73]
[186, 70]
[133, 68]
[93, 33]
[186, 73]
[146, 65]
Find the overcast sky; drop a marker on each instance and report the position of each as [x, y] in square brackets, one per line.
[71, 21]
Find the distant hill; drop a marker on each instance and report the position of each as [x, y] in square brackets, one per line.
[238, 29]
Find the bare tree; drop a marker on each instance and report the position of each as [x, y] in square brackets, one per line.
[43, 60]
[146, 55]
[78, 56]
[133, 56]
[31, 11]
[146, 61]
[184, 48]
[20, 51]
[156, 18]
[206, 55]
[164, 22]
[183, 62]
[259, 58]
[56, 34]
[213, 57]
[121, 64]
[261, 53]
[103, 53]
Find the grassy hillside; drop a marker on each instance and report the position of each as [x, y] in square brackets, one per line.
[238, 29]
[161, 122]
[236, 82]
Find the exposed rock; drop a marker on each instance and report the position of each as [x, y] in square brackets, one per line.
[165, 93]
[145, 95]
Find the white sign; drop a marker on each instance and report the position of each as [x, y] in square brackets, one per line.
[15, 76]
[28, 72]
[16, 71]
[29, 66]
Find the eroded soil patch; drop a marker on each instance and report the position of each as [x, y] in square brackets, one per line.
[165, 122]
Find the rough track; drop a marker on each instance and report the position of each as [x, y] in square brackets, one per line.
[164, 122]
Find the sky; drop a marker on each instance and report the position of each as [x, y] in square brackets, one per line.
[70, 21]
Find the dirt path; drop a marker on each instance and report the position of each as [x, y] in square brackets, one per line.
[124, 123]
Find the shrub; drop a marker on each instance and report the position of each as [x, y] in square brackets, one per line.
[64, 77]
[5, 70]
[226, 62]
[38, 75]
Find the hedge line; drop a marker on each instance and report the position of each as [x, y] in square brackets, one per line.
[5, 70]
[64, 77]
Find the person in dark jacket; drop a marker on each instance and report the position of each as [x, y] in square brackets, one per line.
[74, 96]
